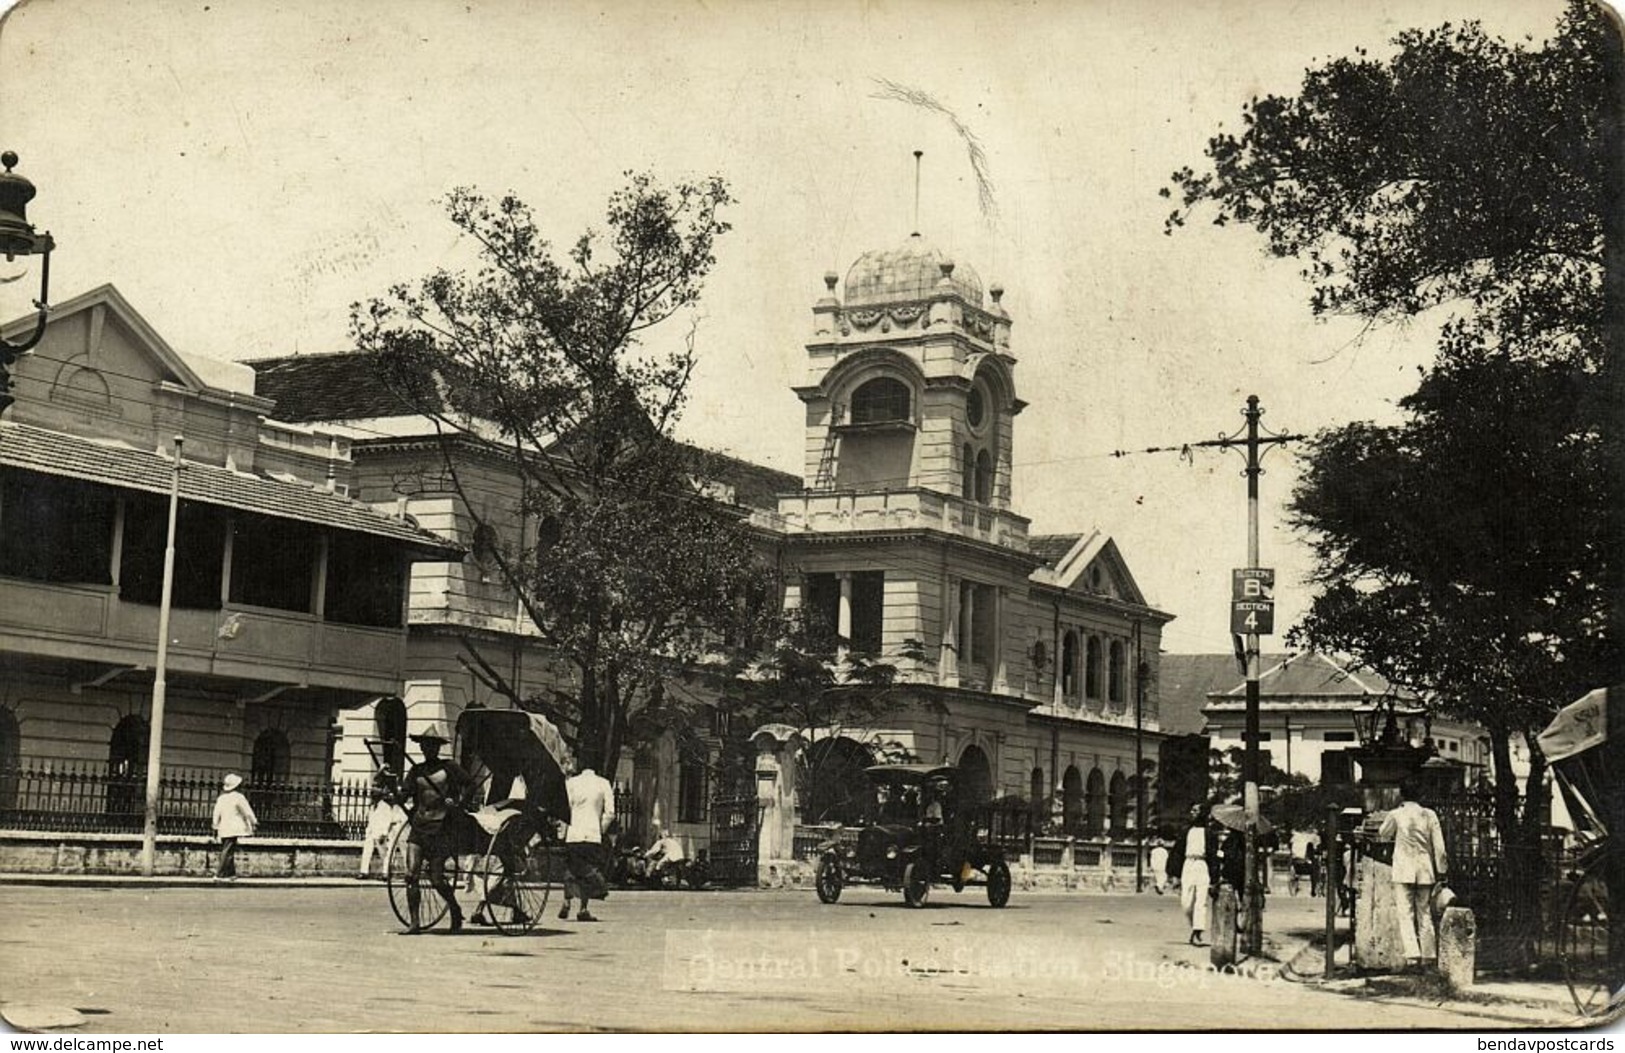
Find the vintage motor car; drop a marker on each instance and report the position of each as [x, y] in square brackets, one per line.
[922, 837]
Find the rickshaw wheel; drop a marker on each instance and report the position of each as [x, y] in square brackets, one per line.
[431, 908]
[516, 886]
[1583, 943]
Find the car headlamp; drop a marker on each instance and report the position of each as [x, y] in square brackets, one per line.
[891, 852]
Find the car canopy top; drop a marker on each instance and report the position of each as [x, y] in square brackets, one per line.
[911, 773]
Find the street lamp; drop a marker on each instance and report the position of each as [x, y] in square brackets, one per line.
[17, 238]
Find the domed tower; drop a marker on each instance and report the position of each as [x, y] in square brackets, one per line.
[911, 381]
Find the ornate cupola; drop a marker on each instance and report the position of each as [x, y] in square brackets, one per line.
[911, 381]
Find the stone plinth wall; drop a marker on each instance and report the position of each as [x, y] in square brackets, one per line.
[31, 852]
[1376, 919]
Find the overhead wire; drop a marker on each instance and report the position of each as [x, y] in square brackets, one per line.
[1186, 452]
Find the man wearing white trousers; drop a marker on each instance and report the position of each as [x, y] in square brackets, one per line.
[1419, 864]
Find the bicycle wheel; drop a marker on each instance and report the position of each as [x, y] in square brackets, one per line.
[514, 880]
[432, 907]
[1582, 943]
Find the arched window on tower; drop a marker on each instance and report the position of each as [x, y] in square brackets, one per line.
[984, 477]
[967, 469]
[881, 400]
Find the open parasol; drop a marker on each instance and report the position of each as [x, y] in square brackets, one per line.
[1234, 816]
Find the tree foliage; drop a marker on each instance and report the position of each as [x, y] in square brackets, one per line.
[1460, 553]
[1462, 170]
[1466, 552]
[616, 555]
[807, 679]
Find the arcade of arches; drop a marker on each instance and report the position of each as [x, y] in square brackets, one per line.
[1092, 806]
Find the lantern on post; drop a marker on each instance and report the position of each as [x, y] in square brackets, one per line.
[18, 238]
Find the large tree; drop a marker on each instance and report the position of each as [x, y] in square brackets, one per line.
[620, 559]
[1460, 171]
[807, 678]
[1465, 552]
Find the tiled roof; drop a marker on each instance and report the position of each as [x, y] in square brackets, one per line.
[755, 485]
[1314, 675]
[1185, 681]
[1302, 681]
[1052, 548]
[346, 385]
[122, 467]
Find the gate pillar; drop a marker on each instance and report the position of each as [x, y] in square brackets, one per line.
[776, 747]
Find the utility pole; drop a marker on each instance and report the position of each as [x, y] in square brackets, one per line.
[1140, 668]
[1252, 614]
[155, 735]
[1252, 611]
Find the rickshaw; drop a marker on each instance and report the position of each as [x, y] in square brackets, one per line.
[1575, 743]
[517, 760]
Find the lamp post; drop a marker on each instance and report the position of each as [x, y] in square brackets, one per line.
[155, 740]
[18, 238]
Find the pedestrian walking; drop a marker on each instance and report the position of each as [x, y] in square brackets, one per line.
[1419, 864]
[383, 819]
[1312, 854]
[1159, 866]
[438, 790]
[1194, 877]
[592, 810]
[233, 819]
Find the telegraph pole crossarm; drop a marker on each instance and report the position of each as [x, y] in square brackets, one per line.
[1252, 441]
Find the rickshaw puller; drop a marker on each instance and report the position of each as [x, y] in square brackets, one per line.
[437, 789]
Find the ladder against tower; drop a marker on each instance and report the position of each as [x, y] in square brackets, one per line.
[826, 460]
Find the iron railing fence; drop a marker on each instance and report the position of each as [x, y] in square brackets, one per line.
[97, 798]
[735, 820]
[810, 836]
[1007, 823]
[1517, 893]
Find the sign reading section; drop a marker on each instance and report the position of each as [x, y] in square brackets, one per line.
[1252, 601]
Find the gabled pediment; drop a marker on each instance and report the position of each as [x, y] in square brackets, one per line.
[99, 332]
[1093, 566]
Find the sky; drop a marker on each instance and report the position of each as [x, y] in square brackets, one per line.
[245, 171]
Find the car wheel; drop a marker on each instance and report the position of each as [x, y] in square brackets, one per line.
[998, 883]
[916, 884]
[827, 879]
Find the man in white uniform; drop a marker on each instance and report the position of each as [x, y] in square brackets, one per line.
[592, 809]
[1419, 864]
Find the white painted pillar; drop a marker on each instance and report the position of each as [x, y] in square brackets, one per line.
[843, 615]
